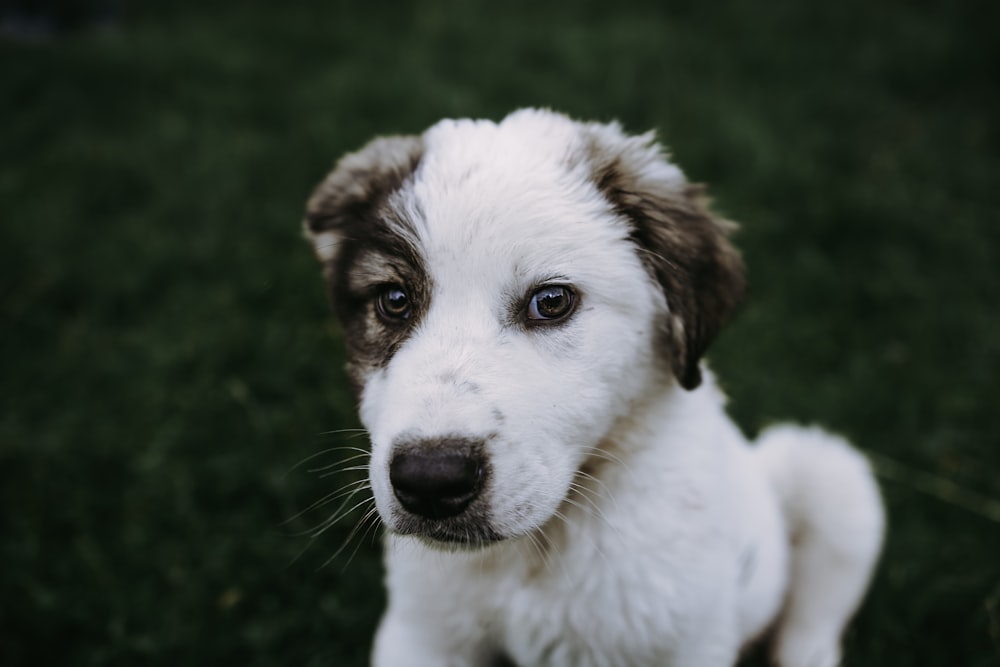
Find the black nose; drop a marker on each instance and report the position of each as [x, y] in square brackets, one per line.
[436, 481]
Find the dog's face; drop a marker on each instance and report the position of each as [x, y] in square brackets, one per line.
[508, 292]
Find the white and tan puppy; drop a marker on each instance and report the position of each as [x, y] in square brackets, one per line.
[526, 305]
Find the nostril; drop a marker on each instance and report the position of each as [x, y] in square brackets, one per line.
[436, 484]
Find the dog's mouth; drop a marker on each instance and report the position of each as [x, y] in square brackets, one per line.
[456, 533]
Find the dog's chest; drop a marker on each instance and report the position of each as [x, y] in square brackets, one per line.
[619, 587]
[579, 610]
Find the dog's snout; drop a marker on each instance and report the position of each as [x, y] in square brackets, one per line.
[436, 481]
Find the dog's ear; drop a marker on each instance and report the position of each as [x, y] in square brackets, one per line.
[680, 241]
[341, 206]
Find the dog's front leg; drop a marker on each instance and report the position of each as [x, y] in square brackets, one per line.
[434, 617]
[710, 638]
[711, 650]
[425, 640]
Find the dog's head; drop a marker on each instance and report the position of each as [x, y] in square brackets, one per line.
[508, 292]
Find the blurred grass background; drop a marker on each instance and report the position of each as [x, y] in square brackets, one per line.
[168, 357]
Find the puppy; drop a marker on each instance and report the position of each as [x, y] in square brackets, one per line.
[526, 305]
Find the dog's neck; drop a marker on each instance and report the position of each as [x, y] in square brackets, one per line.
[658, 418]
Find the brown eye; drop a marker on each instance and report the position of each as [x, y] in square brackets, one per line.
[551, 303]
[393, 303]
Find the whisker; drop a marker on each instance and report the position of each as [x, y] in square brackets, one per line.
[345, 490]
[373, 520]
[588, 495]
[541, 550]
[558, 555]
[357, 468]
[326, 524]
[350, 536]
[372, 524]
[325, 452]
[333, 496]
[608, 456]
[588, 506]
[354, 432]
[591, 497]
[340, 462]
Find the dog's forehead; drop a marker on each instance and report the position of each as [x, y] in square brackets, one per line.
[520, 191]
[527, 140]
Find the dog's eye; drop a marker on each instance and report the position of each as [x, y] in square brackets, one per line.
[393, 303]
[551, 303]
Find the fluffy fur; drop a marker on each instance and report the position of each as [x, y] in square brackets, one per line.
[526, 304]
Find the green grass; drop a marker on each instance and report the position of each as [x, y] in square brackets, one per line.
[168, 356]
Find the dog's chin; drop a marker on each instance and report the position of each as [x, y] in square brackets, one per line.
[451, 536]
[450, 545]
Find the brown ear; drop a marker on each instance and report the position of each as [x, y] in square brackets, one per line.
[341, 206]
[683, 245]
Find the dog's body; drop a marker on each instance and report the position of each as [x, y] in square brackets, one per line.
[525, 306]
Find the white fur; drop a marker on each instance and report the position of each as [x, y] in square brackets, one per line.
[677, 547]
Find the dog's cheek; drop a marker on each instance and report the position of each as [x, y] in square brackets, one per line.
[548, 430]
[529, 481]
[622, 364]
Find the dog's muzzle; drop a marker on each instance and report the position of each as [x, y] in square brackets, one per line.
[439, 478]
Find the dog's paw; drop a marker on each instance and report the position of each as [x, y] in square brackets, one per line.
[807, 650]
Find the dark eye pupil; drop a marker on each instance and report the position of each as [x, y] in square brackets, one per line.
[552, 302]
[396, 299]
[394, 303]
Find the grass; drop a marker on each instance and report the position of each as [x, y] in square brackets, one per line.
[168, 357]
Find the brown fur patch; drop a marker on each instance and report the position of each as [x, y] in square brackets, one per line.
[363, 242]
[346, 203]
[684, 246]
[361, 179]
